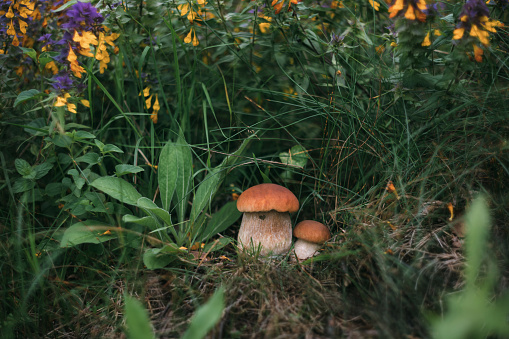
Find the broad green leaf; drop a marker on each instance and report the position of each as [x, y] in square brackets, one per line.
[26, 95]
[91, 158]
[147, 221]
[83, 135]
[111, 148]
[221, 220]
[117, 188]
[60, 140]
[137, 320]
[23, 167]
[42, 169]
[477, 231]
[148, 205]
[206, 191]
[22, 185]
[297, 156]
[127, 169]
[90, 231]
[206, 317]
[30, 52]
[155, 258]
[66, 5]
[210, 184]
[175, 174]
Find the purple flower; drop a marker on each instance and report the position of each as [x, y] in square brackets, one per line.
[475, 9]
[63, 83]
[82, 15]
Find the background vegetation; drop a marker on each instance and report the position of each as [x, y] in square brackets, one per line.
[128, 129]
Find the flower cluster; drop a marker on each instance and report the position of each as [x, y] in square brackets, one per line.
[193, 15]
[279, 4]
[148, 102]
[15, 16]
[84, 35]
[410, 9]
[475, 24]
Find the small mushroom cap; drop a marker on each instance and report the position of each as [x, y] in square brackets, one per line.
[267, 197]
[312, 231]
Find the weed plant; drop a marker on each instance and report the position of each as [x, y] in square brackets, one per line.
[128, 129]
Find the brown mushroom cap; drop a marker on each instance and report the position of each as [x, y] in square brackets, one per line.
[267, 197]
[312, 231]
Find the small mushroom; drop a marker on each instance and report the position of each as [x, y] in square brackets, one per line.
[266, 220]
[311, 235]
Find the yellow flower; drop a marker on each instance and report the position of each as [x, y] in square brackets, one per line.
[10, 29]
[426, 41]
[380, 49]
[62, 101]
[85, 39]
[374, 4]
[396, 7]
[85, 103]
[482, 35]
[10, 13]
[148, 102]
[394, 44]
[22, 26]
[156, 109]
[191, 38]
[72, 56]
[458, 33]
[52, 67]
[478, 53]
[436, 32]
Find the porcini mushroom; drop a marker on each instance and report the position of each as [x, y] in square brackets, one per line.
[311, 235]
[266, 220]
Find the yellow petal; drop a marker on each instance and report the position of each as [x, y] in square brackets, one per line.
[458, 33]
[410, 13]
[426, 41]
[85, 103]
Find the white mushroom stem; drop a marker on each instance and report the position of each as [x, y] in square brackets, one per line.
[305, 249]
[272, 230]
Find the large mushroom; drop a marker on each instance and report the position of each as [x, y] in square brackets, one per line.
[311, 235]
[266, 221]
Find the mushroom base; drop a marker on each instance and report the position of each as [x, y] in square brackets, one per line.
[304, 249]
[270, 230]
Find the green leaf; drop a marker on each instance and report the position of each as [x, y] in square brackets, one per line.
[22, 185]
[30, 52]
[66, 5]
[61, 140]
[221, 220]
[127, 169]
[91, 158]
[83, 135]
[206, 191]
[90, 231]
[175, 174]
[111, 148]
[148, 205]
[213, 180]
[137, 320]
[42, 169]
[156, 258]
[297, 156]
[23, 167]
[147, 221]
[206, 317]
[477, 230]
[117, 188]
[26, 95]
